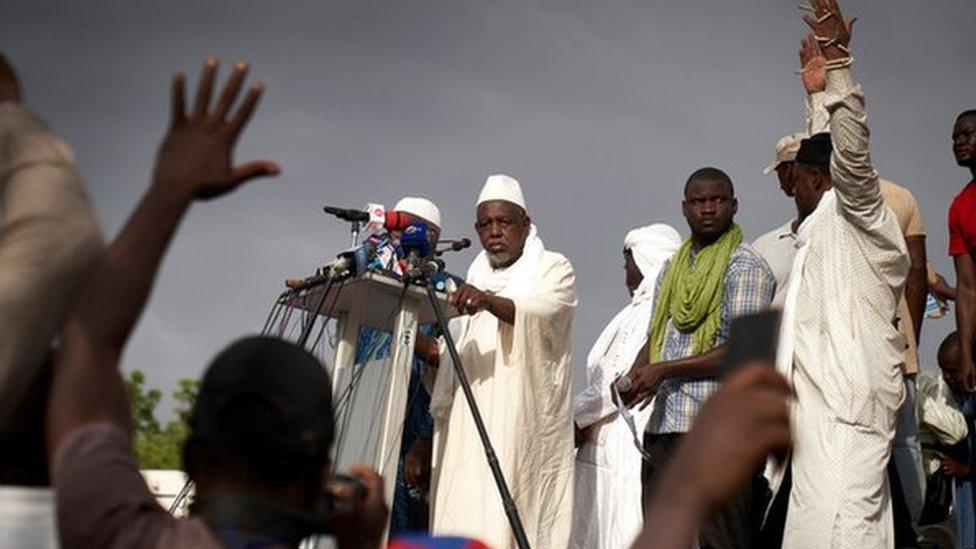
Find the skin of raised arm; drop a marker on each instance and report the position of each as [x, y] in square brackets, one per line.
[828, 22]
[194, 161]
[963, 378]
[917, 285]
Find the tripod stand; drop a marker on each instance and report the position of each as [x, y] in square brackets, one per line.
[511, 511]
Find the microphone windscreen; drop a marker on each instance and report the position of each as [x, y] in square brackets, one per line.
[396, 221]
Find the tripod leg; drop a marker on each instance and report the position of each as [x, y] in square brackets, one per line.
[511, 511]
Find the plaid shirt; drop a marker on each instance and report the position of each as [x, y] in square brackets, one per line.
[749, 288]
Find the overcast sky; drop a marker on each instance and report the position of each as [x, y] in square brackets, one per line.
[600, 109]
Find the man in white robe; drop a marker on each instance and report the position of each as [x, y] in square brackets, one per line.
[838, 344]
[608, 512]
[514, 345]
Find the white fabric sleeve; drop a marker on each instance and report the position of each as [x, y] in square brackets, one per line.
[946, 422]
[594, 403]
[818, 119]
[854, 176]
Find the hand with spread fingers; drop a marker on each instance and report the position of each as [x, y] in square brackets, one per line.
[813, 65]
[195, 159]
[831, 30]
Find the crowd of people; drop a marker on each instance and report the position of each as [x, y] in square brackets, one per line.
[841, 441]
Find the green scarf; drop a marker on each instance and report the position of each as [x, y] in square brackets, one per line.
[692, 294]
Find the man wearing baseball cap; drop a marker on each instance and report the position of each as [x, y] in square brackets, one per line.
[777, 246]
[784, 160]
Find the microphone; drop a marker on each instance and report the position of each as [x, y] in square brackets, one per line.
[375, 216]
[352, 262]
[416, 240]
[624, 384]
[455, 245]
[415, 244]
[345, 214]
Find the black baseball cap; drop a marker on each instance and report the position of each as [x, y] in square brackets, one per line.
[288, 386]
[815, 150]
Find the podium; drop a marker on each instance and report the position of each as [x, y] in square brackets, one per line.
[370, 399]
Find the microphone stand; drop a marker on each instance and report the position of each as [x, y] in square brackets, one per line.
[355, 229]
[511, 511]
[331, 277]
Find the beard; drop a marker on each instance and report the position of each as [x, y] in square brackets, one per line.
[499, 260]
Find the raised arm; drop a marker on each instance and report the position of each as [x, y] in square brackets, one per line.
[194, 161]
[813, 74]
[48, 240]
[854, 177]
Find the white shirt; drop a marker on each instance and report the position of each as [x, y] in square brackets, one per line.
[778, 248]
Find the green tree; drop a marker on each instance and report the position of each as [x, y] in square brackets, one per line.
[159, 447]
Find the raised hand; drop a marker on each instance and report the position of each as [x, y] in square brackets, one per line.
[9, 86]
[195, 159]
[830, 28]
[813, 65]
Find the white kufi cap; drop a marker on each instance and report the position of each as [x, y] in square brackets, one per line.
[502, 187]
[420, 207]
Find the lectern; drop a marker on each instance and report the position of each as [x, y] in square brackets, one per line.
[370, 398]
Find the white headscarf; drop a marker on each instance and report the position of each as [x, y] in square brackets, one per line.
[618, 344]
[651, 246]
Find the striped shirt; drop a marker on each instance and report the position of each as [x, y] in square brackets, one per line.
[749, 288]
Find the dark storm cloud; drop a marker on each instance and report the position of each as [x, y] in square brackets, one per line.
[601, 109]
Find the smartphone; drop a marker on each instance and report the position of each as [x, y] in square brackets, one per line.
[753, 338]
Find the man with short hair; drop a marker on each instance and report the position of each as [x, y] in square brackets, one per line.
[713, 278]
[962, 248]
[261, 428]
[514, 345]
[777, 246]
[839, 346]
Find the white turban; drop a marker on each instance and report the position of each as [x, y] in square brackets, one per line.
[651, 246]
[502, 187]
[420, 207]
